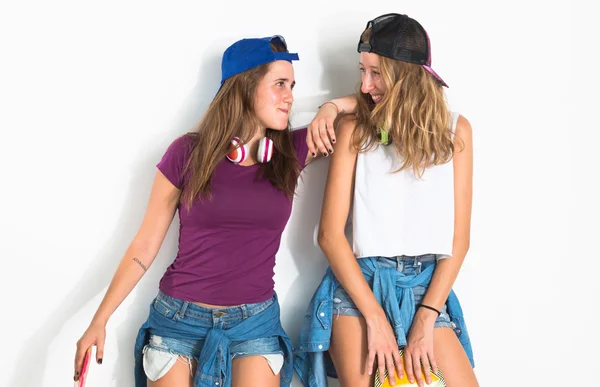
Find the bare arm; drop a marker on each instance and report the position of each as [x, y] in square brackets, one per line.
[336, 205]
[345, 104]
[419, 349]
[333, 242]
[320, 135]
[142, 251]
[447, 269]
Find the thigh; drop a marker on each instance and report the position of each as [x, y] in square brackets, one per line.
[452, 359]
[253, 371]
[179, 375]
[349, 350]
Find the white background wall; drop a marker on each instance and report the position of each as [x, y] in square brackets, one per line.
[91, 94]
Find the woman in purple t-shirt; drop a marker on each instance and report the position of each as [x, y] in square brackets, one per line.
[215, 320]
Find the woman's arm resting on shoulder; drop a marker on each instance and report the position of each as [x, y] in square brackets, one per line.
[420, 340]
[161, 208]
[320, 135]
[336, 205]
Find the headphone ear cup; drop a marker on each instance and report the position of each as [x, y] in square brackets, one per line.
[237, 151]
[265, 150]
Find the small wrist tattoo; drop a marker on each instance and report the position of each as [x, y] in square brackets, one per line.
[140, 263]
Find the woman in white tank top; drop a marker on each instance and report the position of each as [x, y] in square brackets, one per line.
[403, 165]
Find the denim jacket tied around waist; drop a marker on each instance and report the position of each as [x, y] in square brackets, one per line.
[214, 364]
[393, 292]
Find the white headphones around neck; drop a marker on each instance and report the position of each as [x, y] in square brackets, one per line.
[240, 152]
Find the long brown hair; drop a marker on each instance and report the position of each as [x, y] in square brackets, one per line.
[231, 114]
[414, 113]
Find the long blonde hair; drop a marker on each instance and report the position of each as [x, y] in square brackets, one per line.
[231, 114]
[413, 111]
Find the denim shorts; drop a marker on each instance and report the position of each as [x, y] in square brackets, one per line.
[162, 352]
[406, 266]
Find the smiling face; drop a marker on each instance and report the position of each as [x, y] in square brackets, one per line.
[274, 98]
[371, 80]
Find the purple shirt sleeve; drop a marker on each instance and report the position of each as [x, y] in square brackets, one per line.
[299, 140]
[173, 161]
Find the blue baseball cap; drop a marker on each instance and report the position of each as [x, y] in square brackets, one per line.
[249, 53]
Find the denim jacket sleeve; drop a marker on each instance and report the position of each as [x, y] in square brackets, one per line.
[315, 334]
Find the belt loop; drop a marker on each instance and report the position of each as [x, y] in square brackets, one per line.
[182, 309]
[244, 311]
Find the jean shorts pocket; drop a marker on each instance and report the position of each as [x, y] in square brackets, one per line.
[163, 308]
[157, 363]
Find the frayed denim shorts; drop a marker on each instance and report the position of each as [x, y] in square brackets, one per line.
[405, 266]
[163, 352]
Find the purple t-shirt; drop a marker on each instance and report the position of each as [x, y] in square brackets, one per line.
[227, 245]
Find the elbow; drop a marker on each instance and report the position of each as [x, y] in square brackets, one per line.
[461, 247]
[326, 239]
[141, 245]
[322, 238]
[466, 244]
[144, 249]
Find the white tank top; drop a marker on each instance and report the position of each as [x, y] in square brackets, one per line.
[398, 213]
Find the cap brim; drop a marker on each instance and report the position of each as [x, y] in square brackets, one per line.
[289, 56]
[430, 71]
